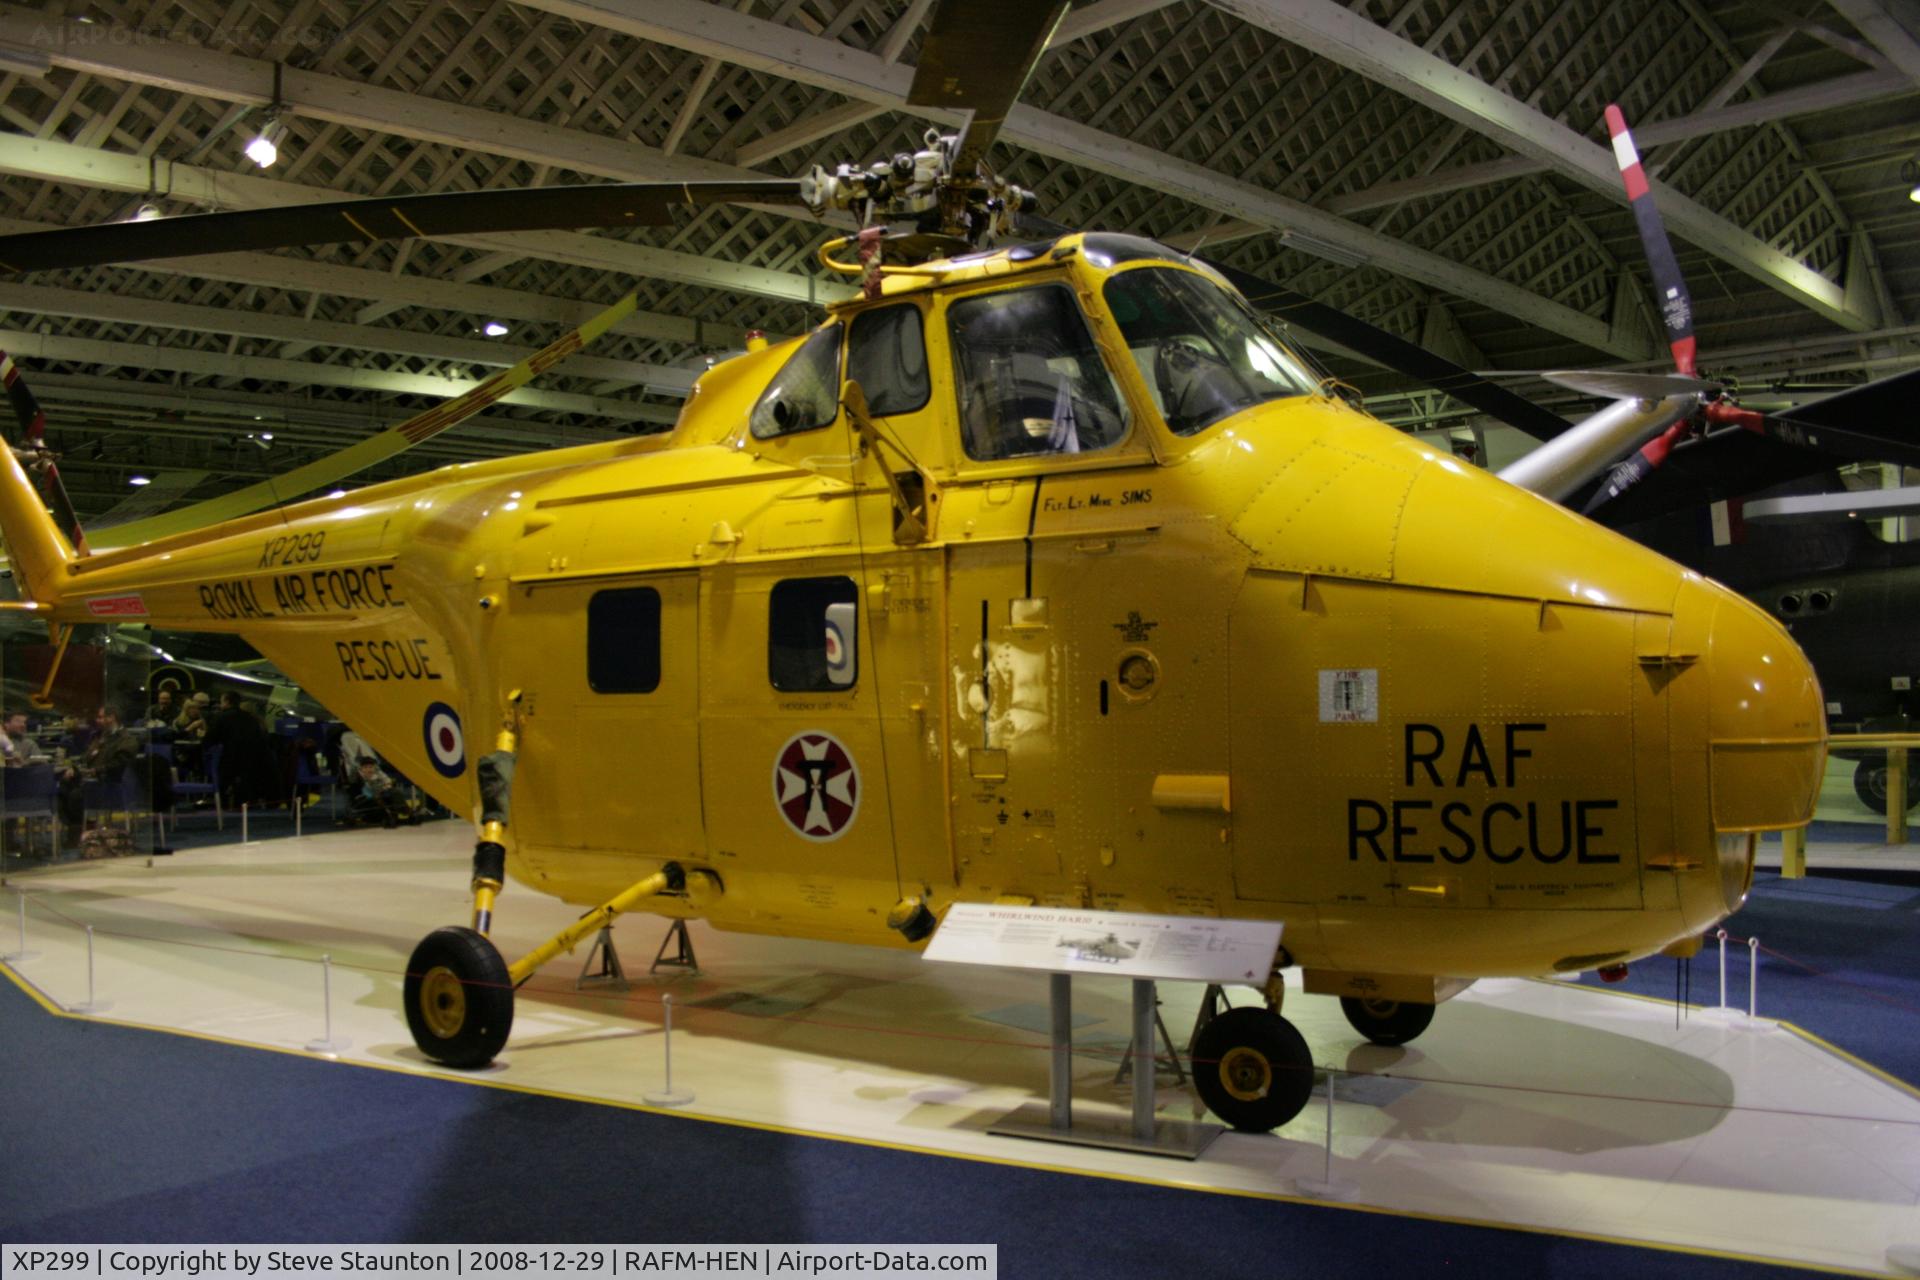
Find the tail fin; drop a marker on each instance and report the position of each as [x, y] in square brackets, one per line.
[39, 551]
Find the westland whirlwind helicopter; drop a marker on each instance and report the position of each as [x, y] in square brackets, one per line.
[1042, 572]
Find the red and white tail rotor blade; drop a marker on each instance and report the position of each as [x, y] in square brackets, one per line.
[1676, 306]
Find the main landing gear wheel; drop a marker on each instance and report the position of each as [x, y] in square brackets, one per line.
[1253, 1069]
[1870, 784]
[1387, 1022]
[459, 998]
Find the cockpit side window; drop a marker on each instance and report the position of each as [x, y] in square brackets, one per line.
[1199, 351]
[887, 356]
[805, 394]
[1029, 377]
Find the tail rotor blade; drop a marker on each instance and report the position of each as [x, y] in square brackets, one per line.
[1676, 306]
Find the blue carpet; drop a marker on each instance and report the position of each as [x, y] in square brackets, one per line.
[1847, 966]
[116, 1134]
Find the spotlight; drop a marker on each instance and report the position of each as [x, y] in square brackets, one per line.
[494, 329]
[147, 212]
[1910, 174]
[137, 481]
[265, 147]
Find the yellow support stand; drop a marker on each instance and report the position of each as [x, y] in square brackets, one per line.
[669, 879]
[1793, 853]
[1896, 795]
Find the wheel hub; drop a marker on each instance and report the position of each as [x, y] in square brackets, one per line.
[1381, 1009]
[443, 1002]
[1246, 1074]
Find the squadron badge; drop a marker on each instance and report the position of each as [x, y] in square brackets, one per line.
[816, 786]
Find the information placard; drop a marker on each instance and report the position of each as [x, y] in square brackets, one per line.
[1070, 940]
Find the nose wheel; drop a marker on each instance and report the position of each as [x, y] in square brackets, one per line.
[1253, 1069]
[459, 998]
[1388, 1022]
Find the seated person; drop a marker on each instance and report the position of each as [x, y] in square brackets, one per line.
[373, 797]
[15, 747]
[111, 750]
[162, 712]
[192, 720]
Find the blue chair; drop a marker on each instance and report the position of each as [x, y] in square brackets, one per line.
[124, 793]
[32, 791]
[196, 789]
[307, 776]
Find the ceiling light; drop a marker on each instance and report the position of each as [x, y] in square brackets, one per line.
[265, 147]
[1910, 174]
[147, 212]
[494, 329]
[266, 435]
[137, 481]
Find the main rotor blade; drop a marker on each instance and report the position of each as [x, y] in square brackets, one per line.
[977, 56]
[1396, 353]
[334, 467]
[610, 204]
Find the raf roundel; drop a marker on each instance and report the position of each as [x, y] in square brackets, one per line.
[816, 786]
[446, 745]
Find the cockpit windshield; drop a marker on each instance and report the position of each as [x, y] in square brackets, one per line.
[1201, 354]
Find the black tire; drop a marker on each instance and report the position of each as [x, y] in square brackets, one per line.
[459, 998]
[1388, 1022]
[1870, 784]
[1253, 1069]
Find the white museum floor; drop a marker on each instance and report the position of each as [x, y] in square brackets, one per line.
[1536, 1104]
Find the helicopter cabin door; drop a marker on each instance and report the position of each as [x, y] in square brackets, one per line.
[803, 710]
[608, 764]
[1084, 666]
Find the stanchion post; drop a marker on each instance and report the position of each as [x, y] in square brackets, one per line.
[669, 1096]
[327, 1044]
[92, 1005]
[22, 953]
[1753, 977]
[1721, 934]
[244, 837]
[1327, 1187]
[299, 806]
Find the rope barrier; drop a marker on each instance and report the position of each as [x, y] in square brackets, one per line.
[552, 993]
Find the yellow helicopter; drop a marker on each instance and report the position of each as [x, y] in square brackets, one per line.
[1044, 573]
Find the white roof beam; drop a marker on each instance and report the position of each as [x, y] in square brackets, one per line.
[1845, 91]
[1337, 33]
[827, 64]
[1876, 21]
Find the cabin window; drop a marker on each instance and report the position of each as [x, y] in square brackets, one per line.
[1029, 378]
[812, 635]
[623, 641]
[887, 356]
[1201, 354]
[805, 394]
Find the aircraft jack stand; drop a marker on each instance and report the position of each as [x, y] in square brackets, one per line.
[1164, 1064]
[1213, 1003]
[610, 977]
[1142, 1131]
[683, 957]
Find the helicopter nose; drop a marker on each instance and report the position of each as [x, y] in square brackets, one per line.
[1766, 733]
